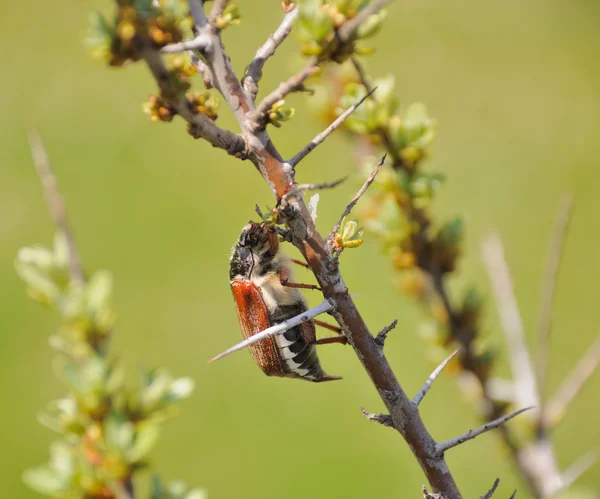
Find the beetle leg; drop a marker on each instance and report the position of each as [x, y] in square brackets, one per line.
[300, 262]
[308, 331]
[326, 325]
[284, 276]
[273, 242]
[332, 339]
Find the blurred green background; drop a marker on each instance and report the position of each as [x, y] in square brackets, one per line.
[515, 87]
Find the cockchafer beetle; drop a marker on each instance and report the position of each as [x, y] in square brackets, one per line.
[259, 276]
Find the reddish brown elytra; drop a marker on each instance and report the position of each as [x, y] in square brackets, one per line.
[263, 297]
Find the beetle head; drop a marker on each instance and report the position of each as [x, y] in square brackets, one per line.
[255, 249]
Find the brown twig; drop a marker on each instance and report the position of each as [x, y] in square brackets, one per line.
[561, 227]
[471, 434]
[382, 419]
[433, 376]
[254, 72]
[382, 335]
[55, 202]
[320, 138]
[490, 492]
[355, 199]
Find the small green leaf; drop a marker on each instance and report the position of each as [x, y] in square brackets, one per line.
[44, 480]
[146, 437]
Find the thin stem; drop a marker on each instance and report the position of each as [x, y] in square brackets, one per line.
[292, 84]
[320, 138]
[355, 199]
[254, 73]
[55, 202]
[561, 226]
[490, 492]
[572, 385]
[471, 434]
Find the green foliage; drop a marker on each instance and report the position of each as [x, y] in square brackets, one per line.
[107, 430]
[319, 20]
[230, 17]
[135, 24]
[348, 235]
[279, 113]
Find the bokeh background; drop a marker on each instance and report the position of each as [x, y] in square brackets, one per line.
[515, 87]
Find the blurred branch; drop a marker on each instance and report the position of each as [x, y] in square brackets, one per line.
[347, 30]
[561, 226]
[56, 205]
[572, 385]
[578, 468]
[512, 325]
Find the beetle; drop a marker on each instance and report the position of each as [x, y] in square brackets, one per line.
[259, 276]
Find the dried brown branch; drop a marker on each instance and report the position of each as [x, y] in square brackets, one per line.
[428, 384]
[471, 434]
[490, 492]
[355, 199]
[510, 317]
[382, 335]
[561, 226]
[572, 385]
[55, 202]
[383, 419]
[254, 72]
[320, 138]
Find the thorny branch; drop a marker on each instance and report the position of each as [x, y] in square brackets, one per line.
[254, 143]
